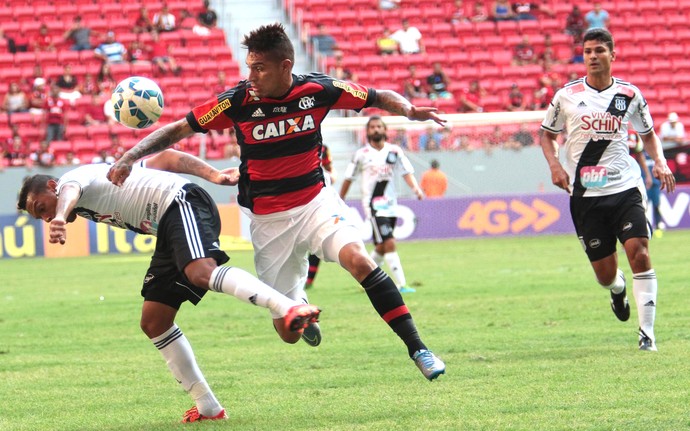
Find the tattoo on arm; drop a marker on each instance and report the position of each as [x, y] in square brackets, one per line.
[193, 166]
[391, 102]
[160, 139]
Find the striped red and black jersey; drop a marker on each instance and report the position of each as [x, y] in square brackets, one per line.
[280, 139]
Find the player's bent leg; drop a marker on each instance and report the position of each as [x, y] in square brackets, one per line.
[178, 354]
[247, 288]
[610, 277]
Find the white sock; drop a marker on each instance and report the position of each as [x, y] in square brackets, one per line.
[618, 283]
[378, 259]
[178, 353]
[247, 288]
[644, 290]
[395, 267]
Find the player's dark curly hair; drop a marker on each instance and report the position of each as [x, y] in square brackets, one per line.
[600, 35]
[35, 184]
[270, 40]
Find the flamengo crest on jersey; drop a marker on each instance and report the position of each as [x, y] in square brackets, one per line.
[596, 123]
[378, 169]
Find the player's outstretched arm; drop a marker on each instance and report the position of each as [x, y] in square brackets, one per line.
[153, 143]
[394, 103]
[183, 163]
[67, 200]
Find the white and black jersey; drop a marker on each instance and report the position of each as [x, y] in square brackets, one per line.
[137, 205]
[596, 123]
[378, 168]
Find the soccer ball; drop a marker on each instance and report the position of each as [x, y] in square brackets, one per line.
[137, 102]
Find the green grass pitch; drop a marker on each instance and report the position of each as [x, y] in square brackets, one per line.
[527, 335]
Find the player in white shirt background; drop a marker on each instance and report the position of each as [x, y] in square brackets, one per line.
[378, 163]
[605, 184]
[187, 261]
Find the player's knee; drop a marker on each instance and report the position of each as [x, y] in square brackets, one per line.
[640, 260]
[358, 263]
[153, 327]
[198, 272]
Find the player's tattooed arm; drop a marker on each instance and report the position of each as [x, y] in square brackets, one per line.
[153, 143]
[159, 140]
[183, 163]
[394, 103]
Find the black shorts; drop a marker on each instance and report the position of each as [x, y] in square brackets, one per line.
[383, 228]
[600, 220]
[188, 230]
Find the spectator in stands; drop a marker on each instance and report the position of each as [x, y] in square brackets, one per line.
[389, 4]
[577, 56]
[105, 80]
[137, 53]
[17, 153]
[6, 40]
[44, 41]
[55, 118]
[15, 99]
[110, 50]
[323, 42]
[471, 98]
[524, 53]
[28, 81]
[501, 10]
[89, 85]
[400, 139]
[67, 83]
[43, 156]
[79, 34]
[93, 112]
[413, 86]
[597, 17]
[527, 11]
[457, 14]
[164, 20]
[207, 16]
[143, 23]
[409, 38]
[37, 102]
[479, 13]
[494, 140]
[385, 44]
[544, 93]
[516, 99]
[434, 182]
[103, 156]
[69, 160]
[547, 54]
[575, 24]
[431, 140]
[161, 56]
[672, 132]
[340, 71]
[523, 137]
[438, 83]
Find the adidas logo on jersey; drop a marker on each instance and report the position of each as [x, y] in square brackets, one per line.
[582, 104]
[258, 113]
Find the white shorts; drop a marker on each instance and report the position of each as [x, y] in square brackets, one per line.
[282, 241]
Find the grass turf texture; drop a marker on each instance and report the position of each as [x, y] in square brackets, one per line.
[527, 335]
